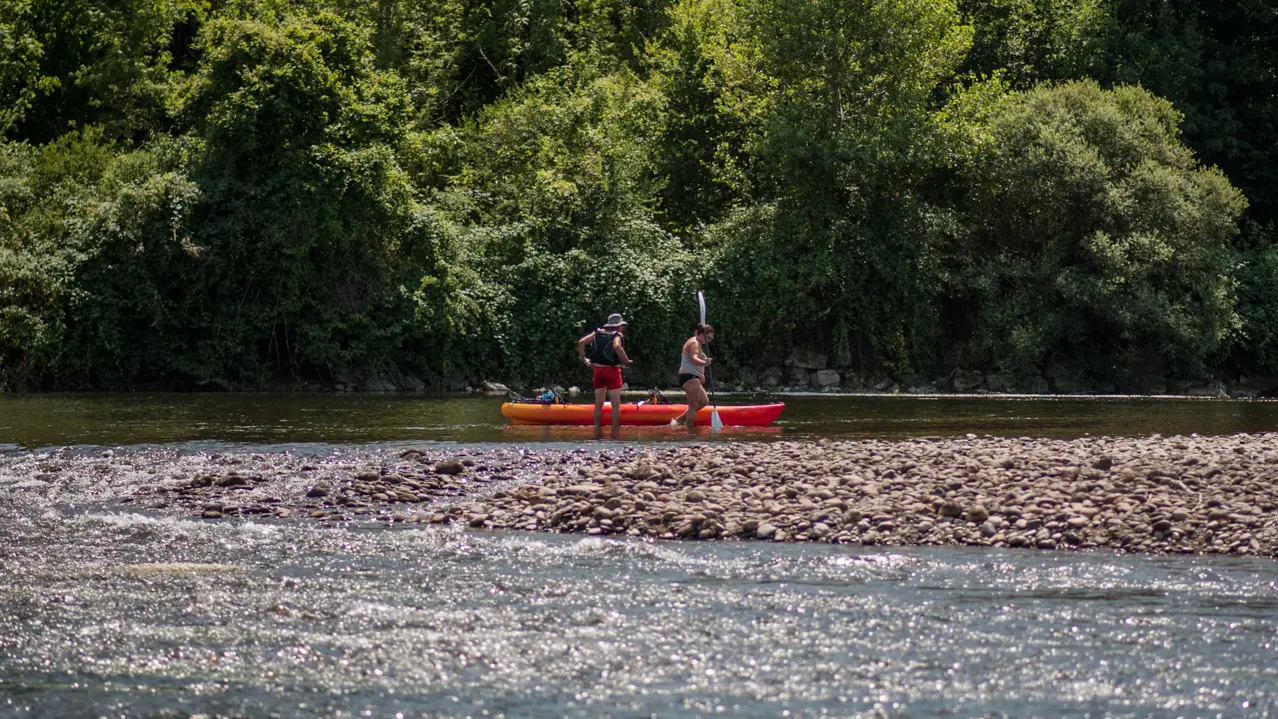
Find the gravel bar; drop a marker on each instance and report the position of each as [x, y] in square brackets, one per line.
[1184, 494]
[1152, 494]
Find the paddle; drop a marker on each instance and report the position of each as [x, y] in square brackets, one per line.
[716, 423]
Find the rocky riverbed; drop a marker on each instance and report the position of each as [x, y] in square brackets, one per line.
[393, 488]
[1179, 494]
[1153, 494]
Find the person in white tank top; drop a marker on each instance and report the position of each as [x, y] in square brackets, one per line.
[692, 373]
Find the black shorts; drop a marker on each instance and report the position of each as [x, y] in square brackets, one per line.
[685, 376]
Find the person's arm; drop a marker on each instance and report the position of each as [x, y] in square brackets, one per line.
[695, 354]
[581, 347]
[620, 350]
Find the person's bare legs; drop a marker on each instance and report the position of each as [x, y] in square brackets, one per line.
[693, 393]
[600, 394]
[614, 396]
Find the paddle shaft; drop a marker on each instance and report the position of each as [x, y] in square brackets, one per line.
[714, 408]
[710, 380]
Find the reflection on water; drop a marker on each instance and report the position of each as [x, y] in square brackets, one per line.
[110, 419]
[567, 433]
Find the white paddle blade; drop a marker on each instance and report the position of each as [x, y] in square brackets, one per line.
[701, 305]
[716, 423]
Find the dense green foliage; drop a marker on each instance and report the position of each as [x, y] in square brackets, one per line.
[244, 193]
[1095, 238]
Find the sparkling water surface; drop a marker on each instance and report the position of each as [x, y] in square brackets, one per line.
[108, 610]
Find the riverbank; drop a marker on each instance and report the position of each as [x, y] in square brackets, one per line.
[1187, 494]
[805, 372]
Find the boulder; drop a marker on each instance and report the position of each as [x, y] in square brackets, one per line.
[806, 359]
[998, 382]
[1143, 384]
[1201, 388]
[882, 384]
[1246, 386]
[772, 376]
[966, 380]
[824, 378]
[450, 466]
[797, 377]
[377, 383]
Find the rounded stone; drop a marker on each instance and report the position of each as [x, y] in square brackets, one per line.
[449, 466]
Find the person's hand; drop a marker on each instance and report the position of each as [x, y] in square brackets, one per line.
[709, 361]
[587, 361]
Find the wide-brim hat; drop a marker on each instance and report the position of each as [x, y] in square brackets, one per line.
[615, 320]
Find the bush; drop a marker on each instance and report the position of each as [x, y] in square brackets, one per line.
[1093, 238]
[91, 238]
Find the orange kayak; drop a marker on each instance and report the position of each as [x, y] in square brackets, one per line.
[755, 415]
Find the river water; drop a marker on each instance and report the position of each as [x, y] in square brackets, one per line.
[111, 609]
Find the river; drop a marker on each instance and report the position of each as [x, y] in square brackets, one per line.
[110, 608]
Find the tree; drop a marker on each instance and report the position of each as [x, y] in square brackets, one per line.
[1031, 41]
[1094, 238]
[92, 62]
[833, 104]
[90, 239]
[306, 216]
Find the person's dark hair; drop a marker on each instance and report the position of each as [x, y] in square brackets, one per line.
[704, 329]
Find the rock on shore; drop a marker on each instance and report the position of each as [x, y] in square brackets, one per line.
[1154, 494]
[288, 487]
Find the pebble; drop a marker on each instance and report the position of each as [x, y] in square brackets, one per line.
[450, 466]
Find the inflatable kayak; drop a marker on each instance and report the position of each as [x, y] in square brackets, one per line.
[633, 413]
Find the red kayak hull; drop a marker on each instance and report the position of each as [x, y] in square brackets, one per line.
[632, 414]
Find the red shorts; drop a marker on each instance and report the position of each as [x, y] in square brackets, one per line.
[607, 378]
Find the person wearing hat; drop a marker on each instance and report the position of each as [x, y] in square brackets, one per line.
[607, 357]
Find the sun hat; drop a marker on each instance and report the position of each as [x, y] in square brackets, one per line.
[615, 320]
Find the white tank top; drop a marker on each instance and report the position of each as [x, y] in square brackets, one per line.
[687, 366]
